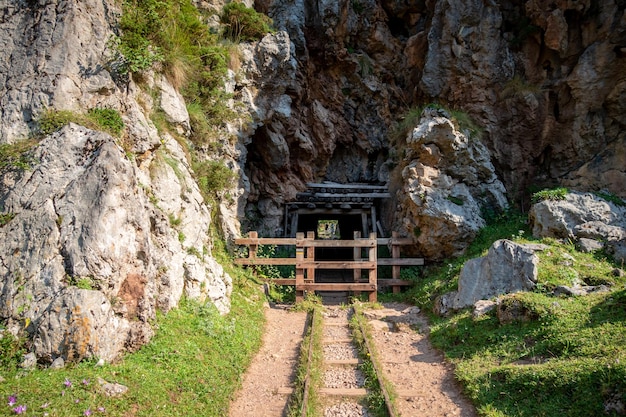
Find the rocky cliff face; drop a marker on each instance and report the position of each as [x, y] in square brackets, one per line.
[544, 83]
[97, 233]
[100, 232]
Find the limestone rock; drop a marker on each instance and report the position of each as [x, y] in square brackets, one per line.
[588, 245]
[511, 309]
[582, 215]
[29, 361]
[579, 290]
[508, 267]
[448, 183]
[58, 363]
[112, 389]
[483, 307]
[87, 258]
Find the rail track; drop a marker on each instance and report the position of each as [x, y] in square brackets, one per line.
[339, 375]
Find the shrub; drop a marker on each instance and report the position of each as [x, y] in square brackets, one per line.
[212, 177]
[108, 120]
[245, 24]
[53, 120]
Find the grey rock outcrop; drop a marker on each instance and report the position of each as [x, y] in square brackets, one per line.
[53, 56]
[582, 216]
[508, 267]
[448, 183]
[87, 258]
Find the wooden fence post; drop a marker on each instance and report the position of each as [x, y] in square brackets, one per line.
[310, 255]
[372, 271]
[357, 257]
[395, 254]
[253, 247]
[299, 269]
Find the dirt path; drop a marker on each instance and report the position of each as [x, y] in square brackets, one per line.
[422, 379]
[272, 368]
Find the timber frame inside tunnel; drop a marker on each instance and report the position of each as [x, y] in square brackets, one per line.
[352, 207]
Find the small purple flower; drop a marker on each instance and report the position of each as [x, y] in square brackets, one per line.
[19, 409]
[85, 382]
[76, 400]
[87, 412]
[67, 383]
[101, 409]
[12, 400]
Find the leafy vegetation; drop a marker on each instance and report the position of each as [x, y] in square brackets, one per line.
[277, 293]
[554, 194]
[212, 177]
[245, 24]
[5, 218]
[105, 120]
[192, 366]
[612, 198]
[566, 356]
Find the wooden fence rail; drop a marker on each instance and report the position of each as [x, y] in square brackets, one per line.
[365, 267]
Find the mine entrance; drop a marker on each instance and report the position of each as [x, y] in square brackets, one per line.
[335, 211]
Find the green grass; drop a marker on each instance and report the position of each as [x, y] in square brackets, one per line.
[311, 346]
[191, 367]
[105, 120]
[566, 357]
[375, 399]
[554, 194]
[17, 155]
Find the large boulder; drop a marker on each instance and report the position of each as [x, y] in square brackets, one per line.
[582, 216]
[90, 251]
[508, 267]
[449, 183]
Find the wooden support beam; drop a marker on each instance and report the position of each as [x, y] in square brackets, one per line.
[364, 264]
[337, 287]
[265, 261]
[401, 262]
[280, 241]
[390, 282]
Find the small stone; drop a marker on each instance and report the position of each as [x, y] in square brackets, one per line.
[58, 363]
[101, 362]
[586, 245]
[482, 307]
[112, 389]
[30, 361]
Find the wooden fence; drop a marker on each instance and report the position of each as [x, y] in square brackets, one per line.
[364, 262]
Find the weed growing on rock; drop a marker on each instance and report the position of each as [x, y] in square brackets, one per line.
[554, 194]
[17, 155]
[105, 120]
